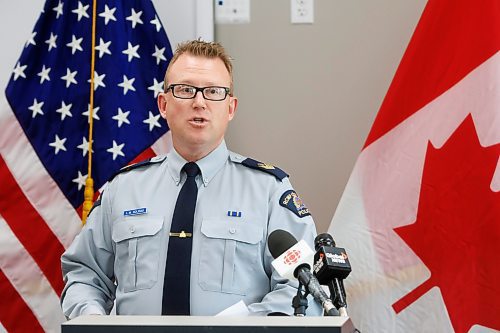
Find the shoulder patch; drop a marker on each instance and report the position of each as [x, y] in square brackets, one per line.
[150, 161]
[291, 200]
[268, 168]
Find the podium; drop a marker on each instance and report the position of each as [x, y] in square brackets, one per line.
[199, 324]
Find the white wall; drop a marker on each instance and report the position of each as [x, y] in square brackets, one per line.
[308, 94]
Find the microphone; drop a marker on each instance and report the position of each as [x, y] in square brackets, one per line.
[331, 266]
[293, 260]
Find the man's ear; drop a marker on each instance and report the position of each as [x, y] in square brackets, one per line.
[233, 106]
[162, 104]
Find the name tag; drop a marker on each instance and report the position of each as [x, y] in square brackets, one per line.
[137, 211]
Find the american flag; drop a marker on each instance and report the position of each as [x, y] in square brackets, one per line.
[44, 133]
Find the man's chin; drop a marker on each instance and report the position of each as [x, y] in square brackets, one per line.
[195, 148]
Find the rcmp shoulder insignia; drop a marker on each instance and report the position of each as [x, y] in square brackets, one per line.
[150, 161]
[268, 168]
[291, 200]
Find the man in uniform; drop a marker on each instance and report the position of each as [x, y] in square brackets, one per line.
[157, 253]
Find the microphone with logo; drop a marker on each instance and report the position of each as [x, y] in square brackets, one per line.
[293, 260]
[331, 266]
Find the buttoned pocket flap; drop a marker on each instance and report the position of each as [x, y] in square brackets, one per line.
[136, 227]
[239, 231]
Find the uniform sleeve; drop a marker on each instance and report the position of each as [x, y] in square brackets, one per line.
[87, 267]
[297, 221]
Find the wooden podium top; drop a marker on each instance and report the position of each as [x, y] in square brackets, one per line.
[191, 324]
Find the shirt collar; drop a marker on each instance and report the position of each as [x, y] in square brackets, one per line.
[209, 165]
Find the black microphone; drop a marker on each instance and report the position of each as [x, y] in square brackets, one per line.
[331, 266]
[292, 260]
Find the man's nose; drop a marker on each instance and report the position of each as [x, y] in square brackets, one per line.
[199, 100]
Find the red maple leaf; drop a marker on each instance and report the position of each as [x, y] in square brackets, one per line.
[457, 231]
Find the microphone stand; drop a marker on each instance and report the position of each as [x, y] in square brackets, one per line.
[338, 296]
[299, 302]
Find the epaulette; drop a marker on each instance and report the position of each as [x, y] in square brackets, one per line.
[268, 168]
[150, 161]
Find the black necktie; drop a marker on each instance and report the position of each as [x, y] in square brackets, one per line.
[177, 272]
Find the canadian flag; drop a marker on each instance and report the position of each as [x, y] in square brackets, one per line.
[420, 215]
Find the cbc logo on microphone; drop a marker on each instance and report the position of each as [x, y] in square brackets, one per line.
[291, 257]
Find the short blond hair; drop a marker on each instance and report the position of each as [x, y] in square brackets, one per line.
[204, 49]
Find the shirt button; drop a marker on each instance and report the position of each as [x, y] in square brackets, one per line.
[232, 230]
[131, 229]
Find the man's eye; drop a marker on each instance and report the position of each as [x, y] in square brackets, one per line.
[215, 91]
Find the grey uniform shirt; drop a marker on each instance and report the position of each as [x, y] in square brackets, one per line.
[122, 250]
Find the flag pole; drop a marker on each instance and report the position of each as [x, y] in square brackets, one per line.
[88, 193]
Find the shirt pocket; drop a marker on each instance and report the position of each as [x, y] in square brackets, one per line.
[230, 253]
[138, 242]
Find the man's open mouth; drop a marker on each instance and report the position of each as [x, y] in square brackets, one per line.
[198, 120]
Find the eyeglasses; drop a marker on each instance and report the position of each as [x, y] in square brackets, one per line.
[185, 91]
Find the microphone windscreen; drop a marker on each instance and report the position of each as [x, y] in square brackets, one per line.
[324, 239]
[279, 241]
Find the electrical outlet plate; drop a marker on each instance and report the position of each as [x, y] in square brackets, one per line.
[302, 11]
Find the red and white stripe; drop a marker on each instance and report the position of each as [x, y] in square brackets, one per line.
[37, 224]
[29, 282]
